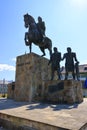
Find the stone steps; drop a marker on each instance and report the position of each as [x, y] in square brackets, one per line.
[10, 122]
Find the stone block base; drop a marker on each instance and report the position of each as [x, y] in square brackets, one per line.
[31, 70]
[32, 83]
[61, 91]
[11, 87]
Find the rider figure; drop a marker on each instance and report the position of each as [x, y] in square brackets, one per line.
[41, 27]
[33, 29]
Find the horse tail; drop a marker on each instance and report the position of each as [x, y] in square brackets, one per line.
[49, 42]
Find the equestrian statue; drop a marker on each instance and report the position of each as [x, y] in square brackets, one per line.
[36, 34]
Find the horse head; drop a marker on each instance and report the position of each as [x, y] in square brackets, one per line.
[28, 19]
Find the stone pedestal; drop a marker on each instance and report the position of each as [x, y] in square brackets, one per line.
[11, 88]
[31, 70]
[32, 82]
[62, 91]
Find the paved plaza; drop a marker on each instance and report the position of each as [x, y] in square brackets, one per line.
[1, 128]
[66, 116]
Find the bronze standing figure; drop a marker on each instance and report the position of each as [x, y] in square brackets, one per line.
[55, 63]
[69, 57]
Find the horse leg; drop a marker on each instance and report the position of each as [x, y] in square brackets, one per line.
[30, 47]
[49, 45]
[26, 38]
[42, 49]
[50, 51]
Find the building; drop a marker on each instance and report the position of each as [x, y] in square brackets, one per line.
[82, 72]
[3, 86]
[82, 76]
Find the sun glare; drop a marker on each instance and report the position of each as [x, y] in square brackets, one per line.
[79, 3]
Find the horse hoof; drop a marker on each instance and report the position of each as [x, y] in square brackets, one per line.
[42, 55]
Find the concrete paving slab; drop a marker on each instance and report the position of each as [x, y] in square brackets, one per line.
[72, 116]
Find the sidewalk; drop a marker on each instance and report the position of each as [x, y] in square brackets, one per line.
[1, 128]
[66, 116]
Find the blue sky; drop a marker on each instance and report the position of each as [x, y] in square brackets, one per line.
[66, 25]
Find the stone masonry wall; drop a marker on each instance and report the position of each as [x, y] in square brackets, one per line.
[33, 82]
[70, 91]
[31, 69]
[11, 88]
[60, 91]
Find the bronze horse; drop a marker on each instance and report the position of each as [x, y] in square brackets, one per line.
[33, 36]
